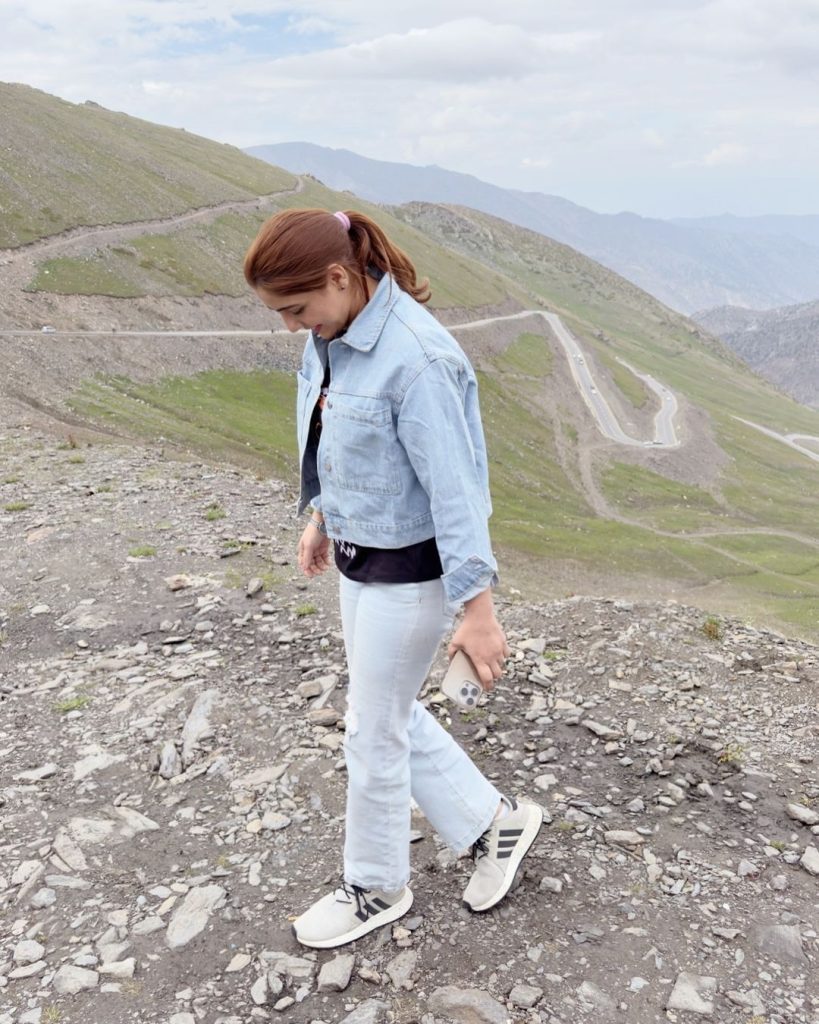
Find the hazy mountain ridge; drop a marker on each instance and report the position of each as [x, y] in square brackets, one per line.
[687, 266]
[781, 344]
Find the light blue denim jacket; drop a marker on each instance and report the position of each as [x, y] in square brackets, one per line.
[401, 455]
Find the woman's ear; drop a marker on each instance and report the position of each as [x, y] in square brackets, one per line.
[337, 277]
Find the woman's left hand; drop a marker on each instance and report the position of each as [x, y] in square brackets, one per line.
[481, 638]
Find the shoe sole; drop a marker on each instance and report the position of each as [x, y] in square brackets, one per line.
[529, 835]
[376, 921]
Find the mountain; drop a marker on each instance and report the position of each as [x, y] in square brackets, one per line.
[803, 228]
[780, 344]
[687, 266]
[156, 338]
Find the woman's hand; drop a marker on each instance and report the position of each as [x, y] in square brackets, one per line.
[313, 551]
[482, 639]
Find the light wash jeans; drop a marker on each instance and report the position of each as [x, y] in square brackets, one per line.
[394, 747]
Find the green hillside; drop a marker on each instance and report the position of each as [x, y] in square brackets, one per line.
[728, 520]
[64, 165]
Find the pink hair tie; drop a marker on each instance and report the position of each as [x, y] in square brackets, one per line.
[345, 220]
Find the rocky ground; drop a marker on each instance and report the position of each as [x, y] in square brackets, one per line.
[172, 783]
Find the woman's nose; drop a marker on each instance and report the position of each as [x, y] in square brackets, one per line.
[290, 322]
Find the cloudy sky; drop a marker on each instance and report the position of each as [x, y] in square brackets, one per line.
[664, 107]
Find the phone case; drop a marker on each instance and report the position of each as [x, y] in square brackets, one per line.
[461, 682]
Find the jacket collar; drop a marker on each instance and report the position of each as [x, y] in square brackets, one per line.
[365, 330]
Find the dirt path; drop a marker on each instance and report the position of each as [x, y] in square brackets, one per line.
[109, 233]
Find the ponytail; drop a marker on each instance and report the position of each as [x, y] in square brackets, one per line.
[294, 248]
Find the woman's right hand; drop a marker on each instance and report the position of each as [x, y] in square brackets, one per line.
[313, 552]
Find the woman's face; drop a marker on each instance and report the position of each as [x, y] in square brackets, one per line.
[325, 311]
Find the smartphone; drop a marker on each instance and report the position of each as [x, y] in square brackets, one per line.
[462, 683]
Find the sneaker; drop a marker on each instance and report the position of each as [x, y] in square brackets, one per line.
[347, 914]
[498, 853]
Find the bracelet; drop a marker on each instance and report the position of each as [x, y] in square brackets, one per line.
[322, 529]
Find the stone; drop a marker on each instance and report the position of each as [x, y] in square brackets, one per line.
[274, 821]
[334, 975]
[589, 993]
[810, 860]
[781, 942]
[192, 916]
[119, 968]
[399, 969]
[238, 963]
[47, 771]
[467, 1005]
[693, 993]
[623, 837]
[603, 731]
[525, 996]
[28, 952]
[801, 813]
[69, 980]
[182, 1018]
[258, 990]
[371, 1011]
[545, 782]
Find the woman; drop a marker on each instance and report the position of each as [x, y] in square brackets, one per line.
[394, 473]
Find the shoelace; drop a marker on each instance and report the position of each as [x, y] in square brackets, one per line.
[480, 848]
[356, 891]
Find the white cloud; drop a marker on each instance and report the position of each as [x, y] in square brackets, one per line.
[591, 99]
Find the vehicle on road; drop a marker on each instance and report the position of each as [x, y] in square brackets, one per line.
[48, 329]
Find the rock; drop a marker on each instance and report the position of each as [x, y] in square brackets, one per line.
[119, 968]
[133, 822]
[371, 1011]
[182, 1018]
[27, 952]
[401, 967]
[747, 869]
[804, 814]
[274, 821]
[589, 993]
[197, 724]
[810, 860]
[623, 837]
[170, 763]
[525, 996]
[545, 782]
[238, 963]
[781, 942]
[258, 990]
[192, 916]
[693, 993]
[95, 761]
[69, 980]
[47, 771]
[467, 1005]
[549, 884]
[605, 732]
[28, 970]
[334, 975]
[750, 1001]
[69, 852]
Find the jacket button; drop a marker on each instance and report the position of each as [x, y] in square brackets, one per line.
[329, 404]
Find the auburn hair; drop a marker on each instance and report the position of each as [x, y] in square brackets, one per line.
[294, 249]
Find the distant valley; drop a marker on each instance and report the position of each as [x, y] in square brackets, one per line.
[689, 265]
[781, 344]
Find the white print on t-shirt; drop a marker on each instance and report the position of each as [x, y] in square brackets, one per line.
[348, 550]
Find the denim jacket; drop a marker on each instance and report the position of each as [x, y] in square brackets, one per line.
[401, 454]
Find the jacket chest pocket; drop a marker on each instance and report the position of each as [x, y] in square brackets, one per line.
[359, 448]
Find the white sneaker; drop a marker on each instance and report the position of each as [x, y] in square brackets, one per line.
[347, 914]
[498, 853]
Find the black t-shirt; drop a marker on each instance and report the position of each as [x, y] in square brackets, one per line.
[415, 563]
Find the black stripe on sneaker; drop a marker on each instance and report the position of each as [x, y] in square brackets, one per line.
[503, 854]
[510, 832]
[381, 904]
[506, 842]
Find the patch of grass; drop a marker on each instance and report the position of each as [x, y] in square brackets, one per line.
[73, 703]
[76, 460]
[530, 355]
[303, 610]
[82, 275]
[13, 479]
[51, 1015]
[142, 551]
[732, 754]
[712, 629]
[662, 502]
[214, 512]
[244, 418]
[17, 506]
[85, 165]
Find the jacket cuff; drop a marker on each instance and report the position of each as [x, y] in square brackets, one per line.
[468, 579]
